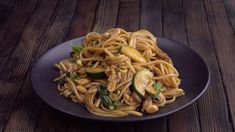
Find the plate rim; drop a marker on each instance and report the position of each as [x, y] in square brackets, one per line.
[121, 119]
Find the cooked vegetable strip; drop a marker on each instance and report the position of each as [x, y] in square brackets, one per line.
[132, 53]
[141, 80]
[117, 73]
[96, 72]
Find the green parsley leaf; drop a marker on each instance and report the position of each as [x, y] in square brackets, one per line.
[77, 48]
[157, 86]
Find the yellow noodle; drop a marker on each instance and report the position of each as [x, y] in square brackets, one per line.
[103, 51]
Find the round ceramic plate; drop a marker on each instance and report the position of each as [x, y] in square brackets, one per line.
[194, 75]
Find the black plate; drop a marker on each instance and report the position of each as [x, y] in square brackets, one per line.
[194, 74]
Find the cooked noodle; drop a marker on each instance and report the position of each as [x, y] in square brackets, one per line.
[112, 93]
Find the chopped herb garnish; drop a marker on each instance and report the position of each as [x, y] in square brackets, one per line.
[77, 48]
[103, 90]
[105, 100]
[74, 76]
[157, 86]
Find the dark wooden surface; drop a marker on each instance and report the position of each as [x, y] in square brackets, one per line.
[28, 28]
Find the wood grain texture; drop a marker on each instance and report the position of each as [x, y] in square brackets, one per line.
[151, 19]
[81, 125]
[224, 40]
[49, 35]
[49, 120]
[9, 37]
[26, 109]
[212, 105]
[13, 27]
[115, 127]
[155, 125]
[173, 21]
[83, 18]
[106, 15]
[174, 28]
[5, 10]
[151, 16]
[230, 8]
[27, 105]
[128, 17]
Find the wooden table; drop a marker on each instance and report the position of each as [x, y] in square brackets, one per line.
[28, 28]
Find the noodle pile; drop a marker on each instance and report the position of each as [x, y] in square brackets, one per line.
[111, 93]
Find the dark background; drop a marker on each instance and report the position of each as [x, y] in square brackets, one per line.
[28, 28]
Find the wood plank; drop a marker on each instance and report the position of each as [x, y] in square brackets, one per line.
[186, 120]
[151, 19]
[156, 125]
[106, 15]
[118, 127]
[81, 125]
[54, 34]
[5, 10]
[230, 8]
[10, 38]
[26, 107]
[11, 31]
[224, 40]
[173, 21]
[129, 22]
[83, 19]
[174, 28]
[50, 119]
[151, 16]
[212, 105]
